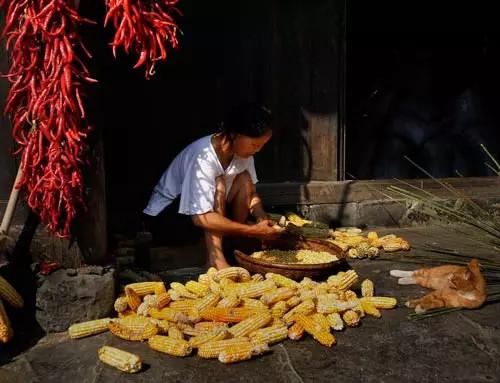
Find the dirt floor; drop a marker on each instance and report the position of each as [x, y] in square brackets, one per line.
[462, 346]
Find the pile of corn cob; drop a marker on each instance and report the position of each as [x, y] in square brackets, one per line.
[12, 297]
[232, 315]
[356, 245]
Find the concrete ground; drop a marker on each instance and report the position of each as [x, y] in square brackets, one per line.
[462, 346]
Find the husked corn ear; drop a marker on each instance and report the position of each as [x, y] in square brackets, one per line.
[212, 349]
[372, 252]
[211, 272]
[382, 302]
[184, 305]
[306, 308]
[282, 281]
[143, 309]
[169, 314]
[127, 313]
[308, 283]
[208, 301]
[194, 315]
[279, 294]
[306, 295]
[234, 315]
[250, 324]
[218, 333]
[175, 332]
[370, 308]
[367, 288]
[321, 288]
[235, 273]
[171, 346]
[162, 300]
[348, 295]
[10, 295]
[351, 318]
[204, 279]
[277, 322]
[190, 331]
[259, 348]
[257, 278]
[344, 281]
[296, 331]
[208, 326]
[372, 236]
[133, 328]
[293, 301]
[256, 290]
[230, 356]
[322, 321]
[313, 328]
[253, 304]
[270, 335]
[343, 246]
[197, 288]
[6, 332]
[144, 288]
[180, 289]
[162, 325]
[215, 287]
[160, 288]
[328, 304]
[335, 321]
[395, 244]
[122, 360]
[133, 298]
[353, 253]
[229, 302]
[279, 309]
[121, 304]
[83, 329]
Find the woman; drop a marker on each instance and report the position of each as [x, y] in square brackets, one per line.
[216, 171]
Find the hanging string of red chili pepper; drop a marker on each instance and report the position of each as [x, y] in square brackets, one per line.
[145, 27]
[45, 105]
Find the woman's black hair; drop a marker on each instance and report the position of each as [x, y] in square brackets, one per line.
[251, 120]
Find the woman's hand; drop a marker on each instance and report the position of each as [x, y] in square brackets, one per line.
[267, 229]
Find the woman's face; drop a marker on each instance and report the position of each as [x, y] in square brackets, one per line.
[244, 146]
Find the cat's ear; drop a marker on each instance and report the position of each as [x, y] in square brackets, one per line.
[473, 265]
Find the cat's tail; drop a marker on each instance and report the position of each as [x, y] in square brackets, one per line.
[401, 273]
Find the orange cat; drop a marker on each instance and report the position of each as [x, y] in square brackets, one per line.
[454, 286]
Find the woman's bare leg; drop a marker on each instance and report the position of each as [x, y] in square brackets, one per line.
[242, 197]
[213, 240]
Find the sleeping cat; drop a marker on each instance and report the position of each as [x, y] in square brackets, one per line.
[454, 286]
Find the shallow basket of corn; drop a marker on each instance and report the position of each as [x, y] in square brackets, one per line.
[232, 315]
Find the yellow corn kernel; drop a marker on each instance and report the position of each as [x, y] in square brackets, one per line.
[253, 304]
[175, 333]
[257, 278]
[229, 356]
[180, 289]
[171, 346]
[133, 298]
[234, 315]
[351, 318]
[83, 329]
[250, 324]
[293, 301]
[6, 332]
[212, 349]
[121, 304]
[197, 288]
[367, 288]
[370, 308]
[382, 302]
[296, 331]
[144, 288]
[133, 328]
[256, 290]
[208, 326]
[269, 335]
[169, 314]
[306, 308]
[322, 321]
[184, 305]
[335, 321]
[328, 303]
[9, 294]
[313, 328]
[208, 301]
[229, 302]
[282, 281]
[122, 360]
[279, 309]
[235, 273]
[218, 333]
[279, 294]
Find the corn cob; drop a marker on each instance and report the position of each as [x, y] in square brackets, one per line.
[296, 331]
[212, 349]
[279, 294]
[353, 253]
[208, 301]
[9, 294]
[367, 288]
[204, 279]
[162, 300]
[197, 288]
[279, 309]
[160, 288]
[211, 272]
[282, 281]
[80, 330]
[174, 347]
[6, 332]
[259, 348]
[121, 304]
[169, 314]
[372, 252]
[257, 278]
[269, 335]
[328, 305]
[382, 302]
[184, 305]
[144, 288]
[256, 290]
[194, 315]
[229, 302]
[220, 314]
[253, 304]
[370, 308]
[293, 301]
[175, 333]
[313, 328]
[218, 333]
[322, 321]
[372, 236]
[122, 360]
[215, 288]
[133, 298]
[133, 328]
[208, 326]
[344, 281]
[162, 325]
[321, 288]
[190, 331]
[233, 356]
[306, 308]
[335, 321]
[306, 295]
[351, 318]
[308, 283]
[143, 309]
[348, 295]
[235, 273]
[180, 289]
[248, 325]
[277, 322]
